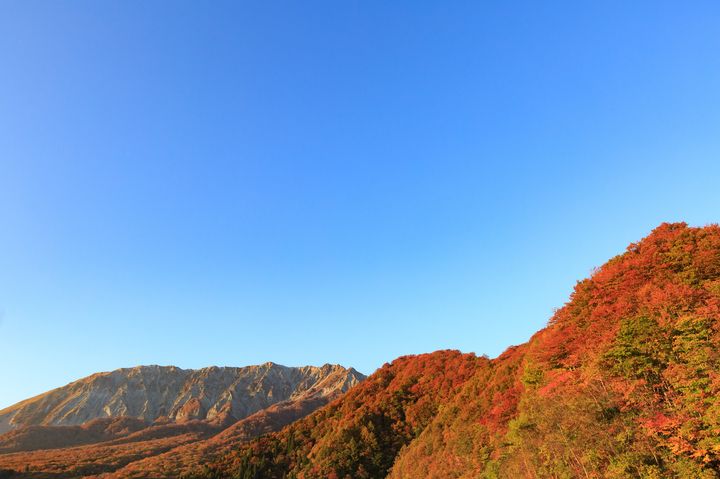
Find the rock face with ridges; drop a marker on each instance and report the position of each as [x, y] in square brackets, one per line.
[151, 393]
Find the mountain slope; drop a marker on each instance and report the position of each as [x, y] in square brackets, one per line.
[50, 437]
[153, 392]
[184, 459]
[359, 434]
[623, 382]
[104, 445]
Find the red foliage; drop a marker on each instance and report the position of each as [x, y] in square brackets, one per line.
[623, 379]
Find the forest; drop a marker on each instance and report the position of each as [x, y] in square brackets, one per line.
[622, 383]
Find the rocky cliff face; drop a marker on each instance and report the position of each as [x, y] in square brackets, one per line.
[168, 393]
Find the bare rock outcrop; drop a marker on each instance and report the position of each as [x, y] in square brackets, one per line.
[168, 393]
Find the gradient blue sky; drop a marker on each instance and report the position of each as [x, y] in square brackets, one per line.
[199, 183]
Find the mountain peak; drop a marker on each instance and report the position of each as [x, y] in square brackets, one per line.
[150, 392]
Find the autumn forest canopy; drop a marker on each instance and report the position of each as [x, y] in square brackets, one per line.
[622, 383]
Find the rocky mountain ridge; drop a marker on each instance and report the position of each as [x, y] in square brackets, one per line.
[171, 394]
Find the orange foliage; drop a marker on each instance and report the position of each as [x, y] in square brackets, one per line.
[621, 383]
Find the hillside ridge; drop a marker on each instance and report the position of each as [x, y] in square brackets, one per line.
[623, 382]
[153, 392]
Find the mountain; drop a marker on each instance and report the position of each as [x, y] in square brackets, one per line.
[624, 382]
[109, 420]
[153, 392]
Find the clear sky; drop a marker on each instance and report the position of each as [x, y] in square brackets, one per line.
[229, 183]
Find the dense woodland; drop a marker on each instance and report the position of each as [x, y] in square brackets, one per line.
[622, 383]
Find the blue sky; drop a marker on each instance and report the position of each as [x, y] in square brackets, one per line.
[308, 182]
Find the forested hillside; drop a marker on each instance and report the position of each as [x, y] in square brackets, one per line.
[622, 383]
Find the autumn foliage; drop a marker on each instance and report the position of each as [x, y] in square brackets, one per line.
[622, 383]
[359, 435]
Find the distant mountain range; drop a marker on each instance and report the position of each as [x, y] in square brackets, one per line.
[129, 414]
[624, 382]
[168, 393]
